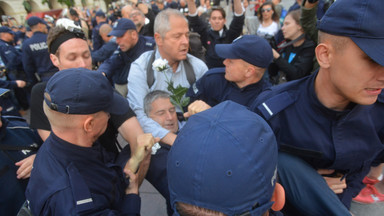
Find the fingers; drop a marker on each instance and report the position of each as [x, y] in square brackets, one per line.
[133, 187]
[196, 107]
[325, 171]
[25, 168]
[336, 184]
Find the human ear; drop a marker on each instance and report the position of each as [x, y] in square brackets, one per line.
[323, 55]
[55, 60]
[89, 124]
[158, 39]
[278, 198]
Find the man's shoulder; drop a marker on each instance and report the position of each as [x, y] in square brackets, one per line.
[196, 62]
[277, 98]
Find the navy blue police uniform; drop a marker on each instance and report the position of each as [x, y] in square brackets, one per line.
[213, 89]
[17, 141]
[36, 59]
[85, 181]
[347, 141]
[11, 56]
[104, 52]
[97, 41]
[117, 66]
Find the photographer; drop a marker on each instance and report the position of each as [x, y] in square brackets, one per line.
[294, 57]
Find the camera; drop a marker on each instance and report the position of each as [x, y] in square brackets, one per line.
[271, 40]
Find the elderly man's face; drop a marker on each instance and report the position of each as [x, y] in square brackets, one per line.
[174, 46]
[164, 113]
[73, 53]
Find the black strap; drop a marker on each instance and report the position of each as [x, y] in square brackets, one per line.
[191, 77]
[17, 148]
[286, 44]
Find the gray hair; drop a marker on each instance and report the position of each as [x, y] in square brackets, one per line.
[162, 20]
[151, 97]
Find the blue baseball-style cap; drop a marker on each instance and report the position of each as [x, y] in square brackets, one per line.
[34, 20]
[358, 20]
[224, 159]
[82, 91]
[121, 26]
[5, 29]
[100, 13]
[250, 48]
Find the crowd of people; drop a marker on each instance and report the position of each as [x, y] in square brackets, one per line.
[274, 115]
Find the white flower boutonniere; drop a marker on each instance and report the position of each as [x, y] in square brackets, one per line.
[160, 64]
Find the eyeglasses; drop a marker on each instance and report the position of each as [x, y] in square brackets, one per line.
[266, 10]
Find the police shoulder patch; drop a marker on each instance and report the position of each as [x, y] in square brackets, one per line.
[275, 104]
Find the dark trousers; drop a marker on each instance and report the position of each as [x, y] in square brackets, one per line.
[306, 192]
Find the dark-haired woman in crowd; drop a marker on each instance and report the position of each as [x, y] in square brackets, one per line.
[294, 57]
[269, 21]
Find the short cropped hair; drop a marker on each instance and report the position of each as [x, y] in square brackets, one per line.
[185, 209]
[162, 20]
[151, 97]
[338, 42]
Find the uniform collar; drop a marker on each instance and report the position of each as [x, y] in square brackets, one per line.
[70, 152]
[314, 100]
[259, 85]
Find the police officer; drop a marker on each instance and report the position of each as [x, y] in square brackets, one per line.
[37, 64]
[97, 41]
[9, 54]
[329, 125]
[17, 142]
[72, 173]
[241, 81]
[131, 46]
[13, 75]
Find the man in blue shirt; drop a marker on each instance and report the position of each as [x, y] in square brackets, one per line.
[241, 81]
[36, 62]
[329, 125]
[72, 173]
[131, 46]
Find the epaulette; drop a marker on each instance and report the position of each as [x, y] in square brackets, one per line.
[215, 71]
[15, 118]
[275, 104]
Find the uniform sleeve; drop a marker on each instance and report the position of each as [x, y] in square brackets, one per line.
[137, 89]
[104, 52]
[8, 84]
[112, 65]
